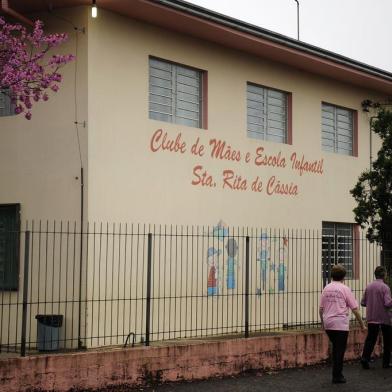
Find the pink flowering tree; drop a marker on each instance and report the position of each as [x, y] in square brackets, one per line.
[27, 71]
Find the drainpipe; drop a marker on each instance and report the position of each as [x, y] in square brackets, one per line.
[9, 11]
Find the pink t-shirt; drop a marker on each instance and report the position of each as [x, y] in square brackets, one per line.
[336, 300]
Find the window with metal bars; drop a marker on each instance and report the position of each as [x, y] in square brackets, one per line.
[267, 113]
[337, 246]
[175, 93]
[9, 246]
[337, 129]
[7, 108]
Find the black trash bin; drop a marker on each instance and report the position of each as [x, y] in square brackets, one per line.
[48, 331]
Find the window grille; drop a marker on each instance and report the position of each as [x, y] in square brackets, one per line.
[337, 129]
[266, 113]
[175, 93]
[6, 106]
[340, 238]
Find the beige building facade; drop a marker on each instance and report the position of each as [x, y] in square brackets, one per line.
[179, 116]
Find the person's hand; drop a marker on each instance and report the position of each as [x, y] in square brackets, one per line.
[363, 327]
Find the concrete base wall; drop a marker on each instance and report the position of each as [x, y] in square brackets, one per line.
[188, 361]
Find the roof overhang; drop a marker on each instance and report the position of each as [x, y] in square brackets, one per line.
[186, 18]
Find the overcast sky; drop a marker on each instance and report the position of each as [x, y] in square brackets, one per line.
[359, 29]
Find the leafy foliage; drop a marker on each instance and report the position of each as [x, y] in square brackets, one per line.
[373, 191]
[26, 72]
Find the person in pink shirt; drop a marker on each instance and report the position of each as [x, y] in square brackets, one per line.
[378, 302]
[336, 301]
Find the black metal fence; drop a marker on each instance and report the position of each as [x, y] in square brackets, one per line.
[112, 284]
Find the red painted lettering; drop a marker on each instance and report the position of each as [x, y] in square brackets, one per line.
[269, 160]
[303, 166]
[160, 141]
[202, 178]
[233, 181]
[257, 185]
[196, 149]
[222, 151]
[275, 187]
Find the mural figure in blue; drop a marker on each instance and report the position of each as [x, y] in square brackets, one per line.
[272, 254]
[282, 267]
[220, 230]
[281, 276]
[263, 258]
[232, 249]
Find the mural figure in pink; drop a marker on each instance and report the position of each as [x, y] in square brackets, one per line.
[212, 282]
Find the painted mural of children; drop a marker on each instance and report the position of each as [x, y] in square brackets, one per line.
[232, 249]
[212, 261]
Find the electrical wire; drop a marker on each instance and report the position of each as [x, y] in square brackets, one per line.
[76, 97]
[76, 122]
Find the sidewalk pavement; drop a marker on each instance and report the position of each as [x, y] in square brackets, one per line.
[310, 379]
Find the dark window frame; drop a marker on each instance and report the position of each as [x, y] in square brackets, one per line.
[9, 109]
[12, 283]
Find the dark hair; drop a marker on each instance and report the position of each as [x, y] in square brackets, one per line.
[380, 272]
[338, 272]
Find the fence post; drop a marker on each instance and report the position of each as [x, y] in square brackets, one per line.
[329, 260]
[148, 295]
[25, 289]
[80, 342]
[247, 287]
